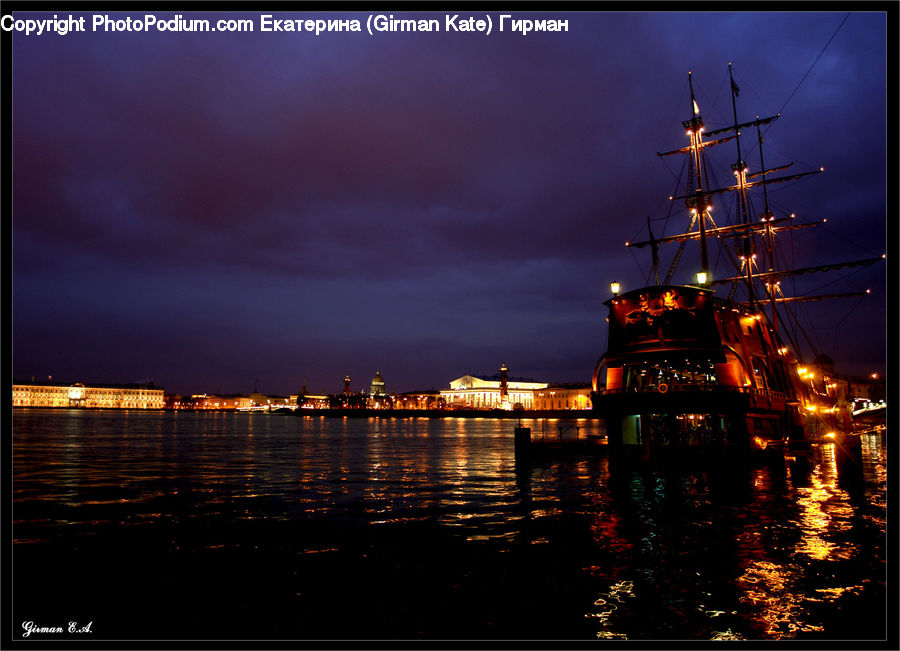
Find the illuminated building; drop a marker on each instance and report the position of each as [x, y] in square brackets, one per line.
[130, 396]
[261, 400]
[494, 392]
[253, 402]
[563, 396]
[306, 400]
[419, 400]
[349, 399]
[205, 401]
[313, 401]
[377, 387]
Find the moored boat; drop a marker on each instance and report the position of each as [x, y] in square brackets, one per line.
[687, 368]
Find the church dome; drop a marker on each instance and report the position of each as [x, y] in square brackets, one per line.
[377, 387]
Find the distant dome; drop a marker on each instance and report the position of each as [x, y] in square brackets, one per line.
[377, 388]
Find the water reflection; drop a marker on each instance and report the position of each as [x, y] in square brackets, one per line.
[458, 538]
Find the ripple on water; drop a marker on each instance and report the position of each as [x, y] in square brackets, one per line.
[223, 518]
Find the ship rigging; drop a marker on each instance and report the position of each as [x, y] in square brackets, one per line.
[687, 367]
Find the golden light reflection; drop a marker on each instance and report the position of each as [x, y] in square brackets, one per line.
[774, 590]
[771, 588]
[607, 603]
[815, 521]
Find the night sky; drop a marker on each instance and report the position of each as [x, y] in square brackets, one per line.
[206, 210]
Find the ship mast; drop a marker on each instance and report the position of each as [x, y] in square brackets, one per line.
[767, 217]
[698, 202]
[698, 199]
[740, 172]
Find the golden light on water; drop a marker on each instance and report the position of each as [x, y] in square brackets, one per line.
[775, 591]
[772, 588]
[823, 509]
[764, 553]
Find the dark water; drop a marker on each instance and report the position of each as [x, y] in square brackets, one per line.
[224, 526]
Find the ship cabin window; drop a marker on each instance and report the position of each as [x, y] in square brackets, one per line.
[730, 329]
[758, 372]
[649, 375]
[762, 376]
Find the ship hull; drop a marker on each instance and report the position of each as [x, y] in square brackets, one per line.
[723, 419]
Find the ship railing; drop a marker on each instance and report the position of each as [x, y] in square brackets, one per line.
[703, 388]
[770, 393]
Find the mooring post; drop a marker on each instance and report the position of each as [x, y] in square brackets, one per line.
[522, 438]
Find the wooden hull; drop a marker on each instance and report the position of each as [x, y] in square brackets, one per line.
[716, 417]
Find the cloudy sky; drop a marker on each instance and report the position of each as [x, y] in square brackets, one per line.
[209, 209]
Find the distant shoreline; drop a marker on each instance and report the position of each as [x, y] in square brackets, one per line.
[568, 414]
[530, 414]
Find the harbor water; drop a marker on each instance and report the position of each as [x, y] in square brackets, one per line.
[223, 526]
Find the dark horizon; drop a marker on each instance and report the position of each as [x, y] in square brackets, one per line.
[206, 210]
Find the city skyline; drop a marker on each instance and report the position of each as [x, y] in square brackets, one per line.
[203, 210]
[357, 385]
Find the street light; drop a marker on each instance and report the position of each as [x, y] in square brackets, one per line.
[615, 287]
[701, 278]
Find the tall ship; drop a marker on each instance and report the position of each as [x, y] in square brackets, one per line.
[718, 363]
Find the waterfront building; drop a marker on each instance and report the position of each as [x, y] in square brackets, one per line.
[349, 401]
[377, 387]
[203, 401]
[376, 397]
[419, 400]
[313, 401]
[491, 392]
[307, 400]
[119, 396]
[261, 400]
[239, 402]
[176, 401]
[564, 396]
